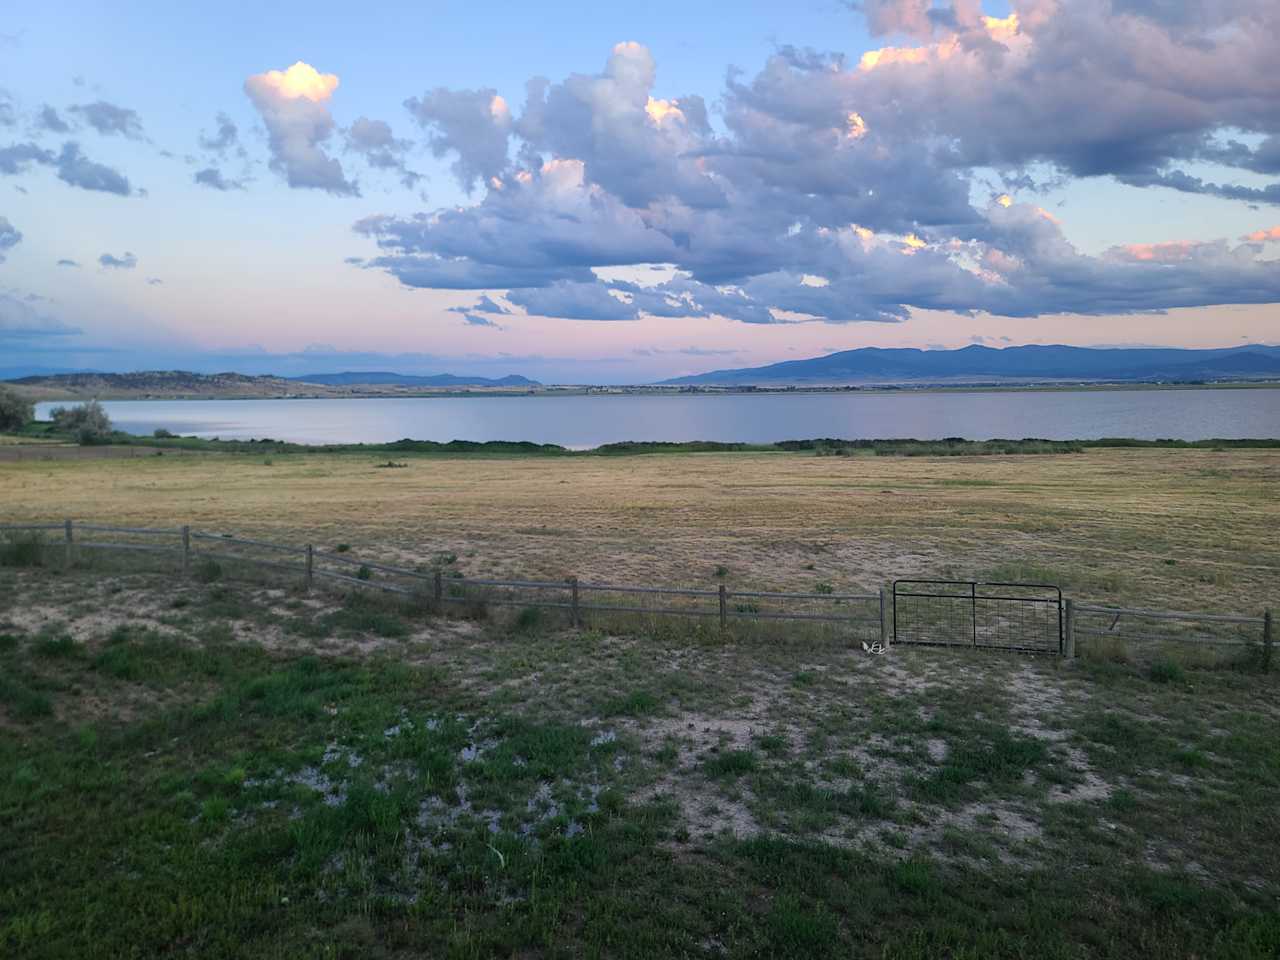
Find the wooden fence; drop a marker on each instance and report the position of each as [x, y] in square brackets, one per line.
[866, 616]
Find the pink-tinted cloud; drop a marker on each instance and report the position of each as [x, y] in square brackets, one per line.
[293, 105]
[1262, 236]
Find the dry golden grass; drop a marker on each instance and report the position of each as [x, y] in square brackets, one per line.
[1177, 528]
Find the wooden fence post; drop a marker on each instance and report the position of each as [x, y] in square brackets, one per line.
[1268, 639]
[1069, 641]
[66, 558]
[186, 550]
[311, 566]
[437, 586]
[724, 607]
[574, 613]
[884, 617]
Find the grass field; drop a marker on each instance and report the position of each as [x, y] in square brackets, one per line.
[234, 770]
[1172, 528]
[219, 767]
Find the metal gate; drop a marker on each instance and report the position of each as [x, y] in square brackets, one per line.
[1002, 616]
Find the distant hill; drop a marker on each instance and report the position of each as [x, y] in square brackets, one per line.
[405, 380]
[184, 385]
[1026, 364]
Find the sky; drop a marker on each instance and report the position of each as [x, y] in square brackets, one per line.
[612, 193]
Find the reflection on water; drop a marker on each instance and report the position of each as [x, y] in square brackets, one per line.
[588, 421]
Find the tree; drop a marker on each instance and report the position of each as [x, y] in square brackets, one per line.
[88, 423]
[15, 410]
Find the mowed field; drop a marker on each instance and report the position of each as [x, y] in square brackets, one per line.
[1173, 528]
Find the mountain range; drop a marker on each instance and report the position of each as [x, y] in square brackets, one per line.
[1032, 363]
[384, 378]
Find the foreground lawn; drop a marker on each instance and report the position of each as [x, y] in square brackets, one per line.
[227, 770]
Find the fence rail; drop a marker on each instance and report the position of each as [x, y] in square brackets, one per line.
[854, 610]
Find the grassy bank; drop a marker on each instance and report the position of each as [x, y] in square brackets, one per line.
[225, 770]
[827, 446]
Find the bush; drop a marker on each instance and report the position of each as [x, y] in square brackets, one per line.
[161, 433]
[1166, 671]
[88, 423]
[209, 570]
[22, 550]
[15, 411]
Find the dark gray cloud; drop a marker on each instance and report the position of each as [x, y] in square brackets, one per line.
[224, 139]
[126, 262]
[17, 157]
[71, 165]
[10, 237]
[109, 119]
[49, 119]
[68, 263]
[374, 140]
[485, 304]
[77, 170]
[212, 177]
[574, 301]
[293, 105]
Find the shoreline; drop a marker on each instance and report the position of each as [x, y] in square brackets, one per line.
[675, 391]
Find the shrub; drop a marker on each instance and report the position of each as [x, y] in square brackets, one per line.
[209, 570]
[161, 433]
[22, 550]
[88, 423]
[1166, 671]
[529, 619]
[15, 410]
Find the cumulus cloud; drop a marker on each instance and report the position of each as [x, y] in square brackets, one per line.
[20, 321]
[212, 177]
[126, 262]
[475, 125]
[475, 320]
[293, 106]
[109, 119]
[843, 190]
[374, 140]
[10, 237]
[1263, 236]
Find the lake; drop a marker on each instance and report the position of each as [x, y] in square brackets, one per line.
[588, 421]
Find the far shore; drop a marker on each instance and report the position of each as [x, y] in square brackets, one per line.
[47, 395]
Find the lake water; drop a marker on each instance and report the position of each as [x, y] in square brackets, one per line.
[588, 421]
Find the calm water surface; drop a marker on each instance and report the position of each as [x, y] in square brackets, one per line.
[588, 421]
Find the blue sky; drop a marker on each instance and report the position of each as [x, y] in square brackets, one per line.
[970, 184]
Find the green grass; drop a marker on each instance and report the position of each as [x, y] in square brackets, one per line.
[179, 790]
